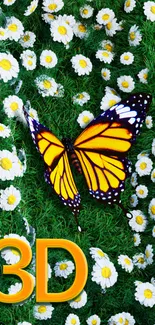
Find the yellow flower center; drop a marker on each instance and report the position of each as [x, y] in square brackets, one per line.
[52, 6]
[100, 253]
[85, 11]
[153, 209]
[13, 27]
[31, 114]
[120, 320]
[6, 163]
[109, 25]
[147, 253]
[32, 9]
[106, 272]
[26, 38]
[86, 119]
[47, 84]
[15, 252]
[104, 73]
[2, 32]
[126, 322]
[14, 106]
[134, 239]
[62, 30]
[148, 293]
[141, 192]
[105, 17]
[48, 59]
[139, 220]
[108, 47]
[29, 62]
[42, 309]
[11, 199]
[83, 63]
[143, 165]
[126, 57]
[132, 200]
[105, 54]
[132, 36]
[78, 299]
[112, 102]
[141, 260]
[82, 28]
[128, 3]
[80, 96]
[2, 128]
[125, 84]
[153, 9]
[94, 322]
[73, 321]
[145, 76]
[51, 16]
[5, 64]
[127, 261]
[153, 175]
[63, 266]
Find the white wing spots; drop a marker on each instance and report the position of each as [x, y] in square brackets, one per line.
[133, 105]
[130, 114]
[119, 107]
[145, 101]
[132, 120]
[123, 110]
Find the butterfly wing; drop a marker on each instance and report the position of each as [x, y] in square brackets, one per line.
[58, 173]
[101, 148]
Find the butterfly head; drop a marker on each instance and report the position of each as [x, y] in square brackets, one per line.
[68, 144]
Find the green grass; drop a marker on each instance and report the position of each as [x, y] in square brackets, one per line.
[105, 227]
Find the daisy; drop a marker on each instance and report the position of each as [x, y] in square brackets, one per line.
[134, 179]
[81, 98]
[149, 10]
[42, 311]
[129, 319]
[145, 294]
[153, 147]
[9, 67]
[93, 320]
[136, 239]
[134, 36]
[3, 34]
[142, 154]
[9, 198]
[46, 85]
[15, 28]
[8, 2]
[111, 91]
[127, 58]
[140, 261]
[97, 27]
[126, 83]
[149, 254]
[52, 5]
[48, 59]
[86, 11]
[79, 301]
[27, 40]
[9, 165]
[105, 74]
[104, 273]
[60, 31]
[133, 200]
[107, 45]
[60, 91]
[81, 64]
[148, 122]
[138, 222]
[11, 255]
[31, 8]
[144, 166]
[80, 30]
[97, 254]
[48, 18]
[153, 176]
[12, 106]
[5, 131]
[64, 268]
[112, 27]
[69, 19]
[153, 231]
[105, 16]
[151, 209]
[24, 323]
[108, 101]
[117, 319]
[143, 75]
[29, 60]
[85, 118]
[142, 191]
[104, 56]
[15, 288]
[72, 319]
[33, 113]
[129, 5]
[125, 262]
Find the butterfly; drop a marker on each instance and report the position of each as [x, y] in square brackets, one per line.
[99, 152]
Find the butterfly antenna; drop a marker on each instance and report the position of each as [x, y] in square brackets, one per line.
[126, 212]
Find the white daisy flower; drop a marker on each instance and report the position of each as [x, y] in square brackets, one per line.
[43, 311]
[125, 262]
[64, 268]
[79, 301]
[153, 176]
[31, 8]
[129, 319]
[11, 255]
[145, 294]
[142, 191]
[104, 56]
[144, 166]
[140, 261]
[60, 31]
[138, 222]
[136, 239]
[143, 75]
[108, 101]
[149, 254]
[86, 11]
[9, 198]
[48, 18]
[97, 254]
[134, 179]
[133, 200]
[5, 131]
[69, 19]
[129, 5]
[93, 320]
[153, 147]
[107, 45]
[97, 27]
[126, 84]
[3, 34]
[15, 28]
[80, 30]
[134, 36]
[104, 273]
[112, 27]
[29, 60]
[46, 85]
[12, 106]
[151, 209]
[81, 64]
[127, 58]
[24, 323]
[111, 91]
[81, 98]
[52, 5]
[85, 118]
[60, 91]
[15, 288]
[9, 165]
[149, 122]
[27, 40]
[72, 319]
[149, 10]
[142, 154]
[49, 271]
[105, 74]
[8, 2]
[48, 59]
[121, 318]
[153, 231]
[105, 16]
[9, 67]
[33, 113]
